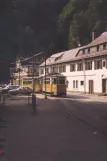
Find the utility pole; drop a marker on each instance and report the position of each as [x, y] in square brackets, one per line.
[33, 74]
[84, 75]
[33, 84]
[45, 77]
[19, 76]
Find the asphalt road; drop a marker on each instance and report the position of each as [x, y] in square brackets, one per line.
[53, 134]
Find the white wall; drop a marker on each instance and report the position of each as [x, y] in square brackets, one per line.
[95, 75]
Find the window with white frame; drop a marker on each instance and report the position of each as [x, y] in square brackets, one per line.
[55, 69]
[62, 69]
[75, 84]
[72, 67]
[79, 67]
[88, 65]
[98, 64]
[81, 83]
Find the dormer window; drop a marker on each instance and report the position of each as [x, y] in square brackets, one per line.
[98, 48]
[104, 63]
[88, 50]
[83, 51]
[104, 45]
[59, 57]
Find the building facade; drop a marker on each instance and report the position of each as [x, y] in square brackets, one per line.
[85, 68]
[28, 67]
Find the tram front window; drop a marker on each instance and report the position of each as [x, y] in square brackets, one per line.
[61, 81]
[54, 81]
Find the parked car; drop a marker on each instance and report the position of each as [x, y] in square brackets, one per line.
[27, 90]
[20, 90]
[8, 87]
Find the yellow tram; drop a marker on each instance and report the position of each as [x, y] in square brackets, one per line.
[28, 82]
[52, 84]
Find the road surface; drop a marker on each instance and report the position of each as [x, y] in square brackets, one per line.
[53, 134]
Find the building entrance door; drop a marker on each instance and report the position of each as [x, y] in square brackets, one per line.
[103, 85]
[91, 87]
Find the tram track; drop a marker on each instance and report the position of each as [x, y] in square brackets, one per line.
[84, 117]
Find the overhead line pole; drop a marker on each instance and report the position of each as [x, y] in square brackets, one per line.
[33, 73]
[45, 77]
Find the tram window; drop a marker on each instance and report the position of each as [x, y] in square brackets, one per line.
[24, 82]
[61, 81]
[54, 81]
[27, 82]
[36, 81]
[47, 81]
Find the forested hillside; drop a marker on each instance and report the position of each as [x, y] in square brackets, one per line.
[82, 17]
[28, 26]
[32, 26]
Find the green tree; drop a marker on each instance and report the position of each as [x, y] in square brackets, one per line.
[83, 17]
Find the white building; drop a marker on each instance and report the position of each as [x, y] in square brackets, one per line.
[25, 68]
[84, 67]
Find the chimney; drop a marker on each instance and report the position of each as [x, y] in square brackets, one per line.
[93, 36]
